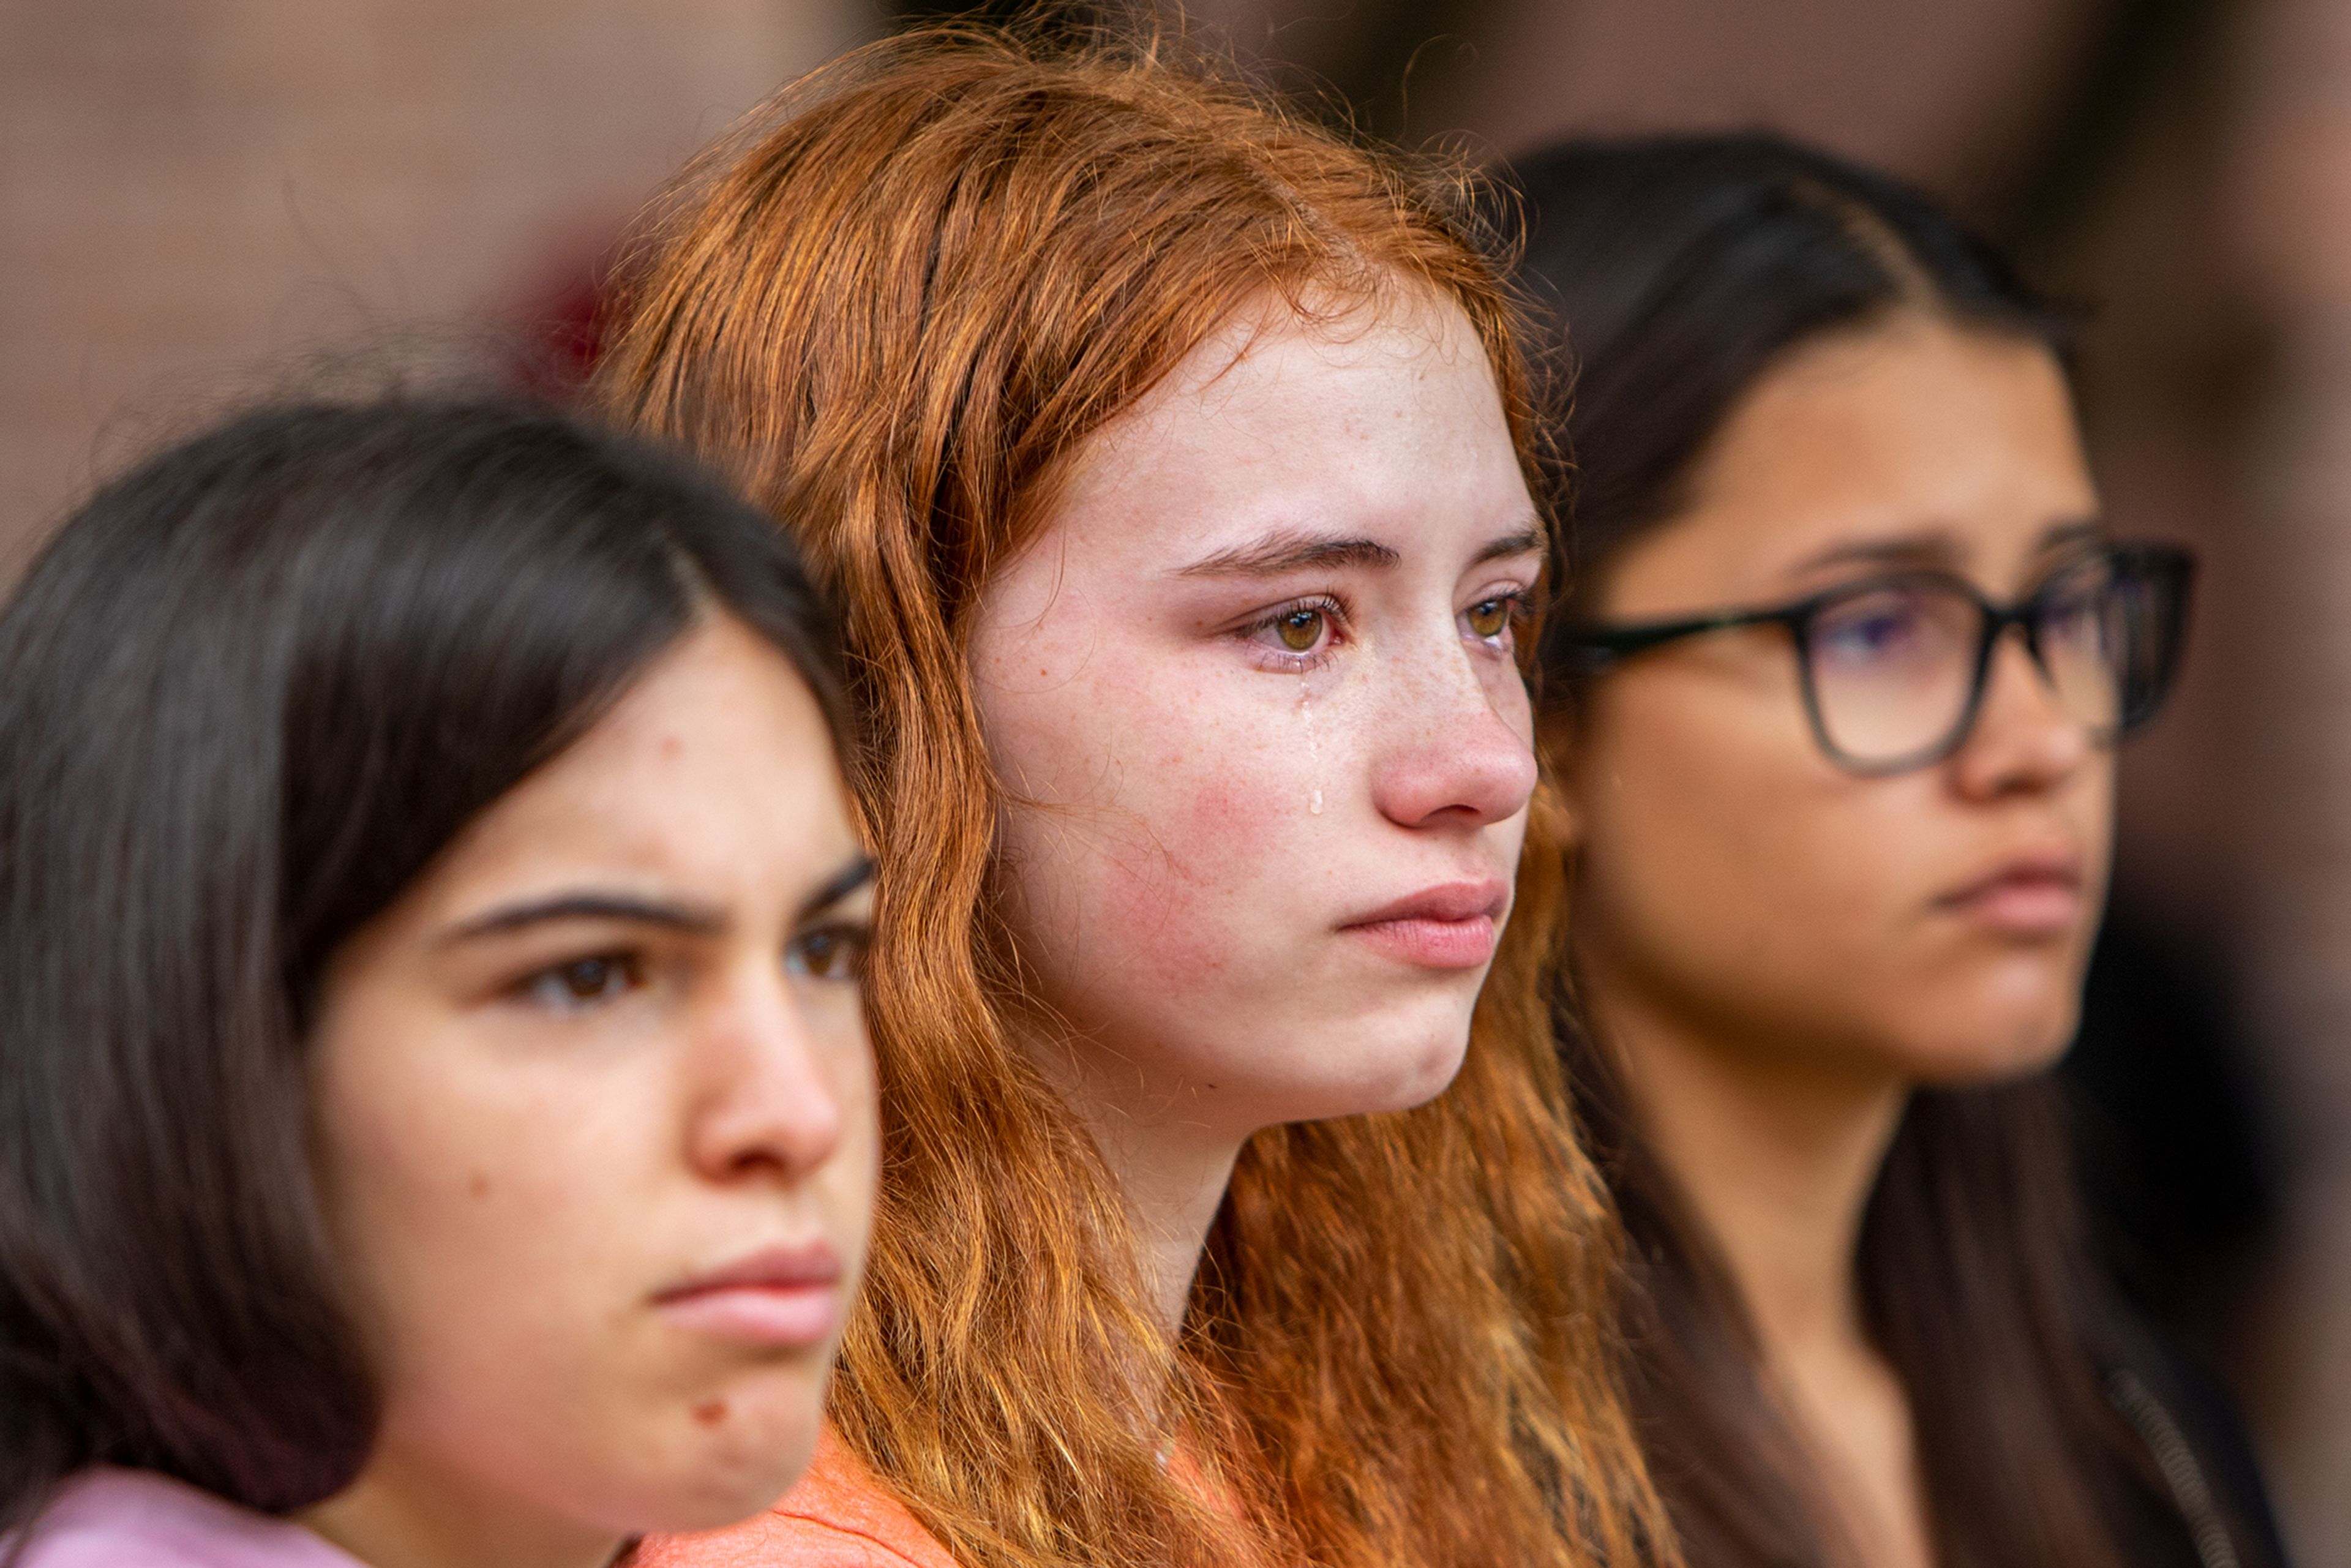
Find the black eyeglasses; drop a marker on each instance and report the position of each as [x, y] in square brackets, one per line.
[1894, 666]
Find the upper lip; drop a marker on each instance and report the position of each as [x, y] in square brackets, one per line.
[783, 1266]
[1446, 901]
[2046, 864]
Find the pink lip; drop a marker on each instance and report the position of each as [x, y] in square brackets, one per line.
[1450, 926]
[2038, 894]
[785, 1297]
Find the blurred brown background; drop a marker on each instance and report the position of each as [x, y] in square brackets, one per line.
[188, 190]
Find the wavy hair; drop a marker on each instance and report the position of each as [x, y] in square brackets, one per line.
[894, 305]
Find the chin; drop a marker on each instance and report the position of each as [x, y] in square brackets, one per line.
[1407, 1068]
[1998, 1050]
[734, 1482]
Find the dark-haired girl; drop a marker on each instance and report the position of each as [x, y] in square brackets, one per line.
[1834, 701]
[435, 1114]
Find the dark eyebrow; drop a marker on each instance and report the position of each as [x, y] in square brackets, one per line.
[843, 883]
[588, 907]
[1930, 548]
[2059, 535]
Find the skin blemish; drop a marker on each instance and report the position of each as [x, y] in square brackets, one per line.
[710, 1412]
[480, 1186]
[1313, 752]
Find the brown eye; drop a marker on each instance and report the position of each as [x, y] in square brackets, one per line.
[828, 953]
[1489, 618]
[1301, 630]
[586, 982]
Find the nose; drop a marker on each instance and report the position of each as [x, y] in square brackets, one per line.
[1458, 747]
[766, 1100]
[2023, 740]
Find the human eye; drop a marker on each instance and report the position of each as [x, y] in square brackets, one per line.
[583, 984]
[2074, 591]
[1494, 619]
[1296, 637]
[833, 953]
[1873, 627]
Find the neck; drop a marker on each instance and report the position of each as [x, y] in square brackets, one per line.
[1172, 1180]
[1778, 1162]
[1172, 1165]
[403, 1514]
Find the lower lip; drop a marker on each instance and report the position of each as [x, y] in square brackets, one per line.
[2025, 907]
[1433, 943]
[781, 1316]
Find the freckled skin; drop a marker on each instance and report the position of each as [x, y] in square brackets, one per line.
[511, 1180]
[1168, 880]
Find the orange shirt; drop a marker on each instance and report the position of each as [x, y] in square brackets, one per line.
[840, 1516]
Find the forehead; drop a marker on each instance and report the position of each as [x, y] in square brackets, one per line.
[1381, 415]
[1913, 428]
[716, 769]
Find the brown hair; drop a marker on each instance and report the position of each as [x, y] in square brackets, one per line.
[1685, 268]
[895, 305]
[228, 689]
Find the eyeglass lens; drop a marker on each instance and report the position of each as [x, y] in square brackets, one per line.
[1894, 666]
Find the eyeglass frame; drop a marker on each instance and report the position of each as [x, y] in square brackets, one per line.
[1598, 649]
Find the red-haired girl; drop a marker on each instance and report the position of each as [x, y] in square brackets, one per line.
[1170, 459]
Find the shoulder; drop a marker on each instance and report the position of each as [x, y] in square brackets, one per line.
[839, 1516]
[107, 1518]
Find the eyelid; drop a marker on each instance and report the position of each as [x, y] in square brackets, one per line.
[1261, 620]
[857, 931]
[1284, 661]
[633, 962]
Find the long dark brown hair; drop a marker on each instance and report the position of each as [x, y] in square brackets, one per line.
[1683, 269]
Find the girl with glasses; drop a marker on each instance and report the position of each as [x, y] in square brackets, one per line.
[436, 1112]
[1170, 456]
[1835, 699]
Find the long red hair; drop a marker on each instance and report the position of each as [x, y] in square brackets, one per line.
[894, 305]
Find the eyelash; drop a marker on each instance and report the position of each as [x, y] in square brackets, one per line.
[833, 954]
[547, 988]
[851, 942]
[1293, 661]
[1514, 603]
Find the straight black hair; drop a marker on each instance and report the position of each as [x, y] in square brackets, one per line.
[247, 693]
[1682, 271]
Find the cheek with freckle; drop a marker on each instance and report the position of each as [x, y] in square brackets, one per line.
[1177, 918]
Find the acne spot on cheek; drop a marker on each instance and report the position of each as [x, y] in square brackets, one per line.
[710, 1412]
[480, 1185]
[671, 746]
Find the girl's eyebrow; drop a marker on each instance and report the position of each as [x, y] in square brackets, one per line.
[1525, 542]
[695, 920]
[1288, 550]
[1935, 547]
[588, 906]
[843, 883]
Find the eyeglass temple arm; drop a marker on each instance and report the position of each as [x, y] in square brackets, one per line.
[1595, 648]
